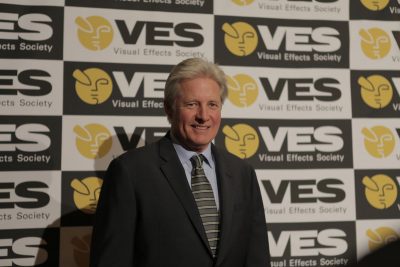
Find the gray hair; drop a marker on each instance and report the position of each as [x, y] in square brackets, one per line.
[192, 68]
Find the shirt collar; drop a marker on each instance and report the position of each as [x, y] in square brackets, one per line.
[185, 154]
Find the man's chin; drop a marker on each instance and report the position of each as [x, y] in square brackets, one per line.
[199, 145]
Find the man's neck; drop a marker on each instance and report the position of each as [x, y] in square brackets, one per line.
[176, 141]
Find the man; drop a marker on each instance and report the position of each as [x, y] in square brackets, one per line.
[151, 211]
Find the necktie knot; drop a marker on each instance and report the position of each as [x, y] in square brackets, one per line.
[197, 161]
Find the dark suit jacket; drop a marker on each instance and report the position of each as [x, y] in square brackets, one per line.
[386, 256]
[147, 216]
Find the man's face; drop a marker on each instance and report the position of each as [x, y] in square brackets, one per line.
[196, 116]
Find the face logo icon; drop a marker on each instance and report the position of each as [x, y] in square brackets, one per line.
[375, 43]
[86, 193]
[93, 140]
[242, 2]
[380, 191]
[376, 91]
[95, 32]
[379, 141]
[375, 5]
[380, 237]
[81, 250]
[93, 86]
[240, 38]
[242, 90]
[241, 140]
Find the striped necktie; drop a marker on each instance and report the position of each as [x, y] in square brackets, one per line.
[203, 194]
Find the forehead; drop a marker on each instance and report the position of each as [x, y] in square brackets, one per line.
[201, 87]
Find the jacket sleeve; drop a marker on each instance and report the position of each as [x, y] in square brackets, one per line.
[114, 226]
[258, 254]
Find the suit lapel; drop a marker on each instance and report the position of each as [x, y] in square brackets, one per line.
[175, 174]
[226, 203]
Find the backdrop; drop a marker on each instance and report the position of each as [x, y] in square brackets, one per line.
[313, 105]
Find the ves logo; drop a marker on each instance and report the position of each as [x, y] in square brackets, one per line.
[241, 140]
[29, 137]
[379, 141]
[375, 43]
[31, 82]
[243, 2]
[242, 90]
[240, 38]
[376, 91]
[24, 195]
[24, 251]
[86, 193]
[33, 27]
[93, 140]
[375, 5]
[93, 86]
[380, 237]
[327, 242]
[380, 191]
[94, 32]
[81, 249]
[325, 191]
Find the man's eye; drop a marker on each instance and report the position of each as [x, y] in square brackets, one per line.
[191, 105]
[213, 105]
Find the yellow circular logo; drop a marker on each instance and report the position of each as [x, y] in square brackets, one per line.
[93, 140]
[81, 249]
[375, 43]
[380, 237]
[375, 5]
[379, 141]
[86, 193]
[380, 191]
[241, 140]
[242, 2]
[93, 86]
[242, 90]
[95, 32]
[376, 91]
[240, 38]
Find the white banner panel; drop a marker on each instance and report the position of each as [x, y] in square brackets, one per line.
[376, 143]
[30, 199]
[90, 142]
[285, 9]
[307, 195]
[255, 92]
[374, 234]
[103, 35]
[32, 87]
[374, 44]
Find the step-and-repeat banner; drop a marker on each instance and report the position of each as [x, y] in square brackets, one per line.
[313, 105]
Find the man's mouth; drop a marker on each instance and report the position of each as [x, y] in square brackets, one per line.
[200, 127]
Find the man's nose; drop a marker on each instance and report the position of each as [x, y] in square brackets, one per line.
[203, 112]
